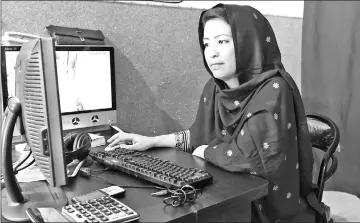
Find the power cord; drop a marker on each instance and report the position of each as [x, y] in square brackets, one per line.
[27, 165]
[185, 194]
[87, 173]
[16, 170]
[22, 161]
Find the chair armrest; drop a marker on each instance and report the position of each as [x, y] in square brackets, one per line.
[324, 132]
[321, 134]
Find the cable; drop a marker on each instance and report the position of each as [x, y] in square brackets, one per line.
[17, 170]
[128, 186]
[86, 172]
[27, 165]
[20, 163]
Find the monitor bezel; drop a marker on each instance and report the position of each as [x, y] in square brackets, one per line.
[110, 49]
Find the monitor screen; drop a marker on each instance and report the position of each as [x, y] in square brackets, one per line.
[8, 61]
[86, 78]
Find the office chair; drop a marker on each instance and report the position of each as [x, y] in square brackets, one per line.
[325, 136]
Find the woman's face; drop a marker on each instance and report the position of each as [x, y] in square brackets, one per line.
[219, 49]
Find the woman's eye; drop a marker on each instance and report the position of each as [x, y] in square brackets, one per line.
[223, 41]
[206, 45]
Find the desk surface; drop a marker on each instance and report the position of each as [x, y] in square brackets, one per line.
[226, 199]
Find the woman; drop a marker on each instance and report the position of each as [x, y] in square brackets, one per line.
[250, 117]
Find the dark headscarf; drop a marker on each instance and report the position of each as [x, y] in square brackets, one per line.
[258, 59]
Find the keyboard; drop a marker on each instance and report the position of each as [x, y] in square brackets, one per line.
[153, 169]
[102, 209]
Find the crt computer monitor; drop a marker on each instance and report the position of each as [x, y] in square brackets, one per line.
[36, 108]
[86, 84]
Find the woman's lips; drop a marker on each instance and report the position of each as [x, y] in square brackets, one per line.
[216, 66]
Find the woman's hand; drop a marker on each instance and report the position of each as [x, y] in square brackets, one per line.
[131, 141]
[199, 151]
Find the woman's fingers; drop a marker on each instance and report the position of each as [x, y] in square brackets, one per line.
[112, 138]
[116, 128]
[129, 141]
[130, 147]
[120, 137]
[114, 142]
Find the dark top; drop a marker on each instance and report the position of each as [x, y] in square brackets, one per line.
[266, 145]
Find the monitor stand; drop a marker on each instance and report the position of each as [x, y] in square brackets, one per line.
[36, 194]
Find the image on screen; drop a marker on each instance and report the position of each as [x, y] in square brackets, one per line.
[84, 80]
[10, 71]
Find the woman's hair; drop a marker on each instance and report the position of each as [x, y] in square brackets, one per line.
[217, 12]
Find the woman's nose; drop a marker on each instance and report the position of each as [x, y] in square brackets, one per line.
[213, 52]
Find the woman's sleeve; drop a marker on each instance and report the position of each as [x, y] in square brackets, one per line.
[256, 149]
[202, 131]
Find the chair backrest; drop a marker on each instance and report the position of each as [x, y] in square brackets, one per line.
[325, 135]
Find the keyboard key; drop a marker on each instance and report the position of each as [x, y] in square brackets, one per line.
[104, 219]
[92, 201]
[99, 215]
[102, 209]
[107, 213]
[79, 215]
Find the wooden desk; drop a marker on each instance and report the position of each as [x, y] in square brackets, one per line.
[227, 199]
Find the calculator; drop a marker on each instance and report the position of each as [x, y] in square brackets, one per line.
[101, 209]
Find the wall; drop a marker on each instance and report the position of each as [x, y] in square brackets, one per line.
[276, 8]
[159, 68]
